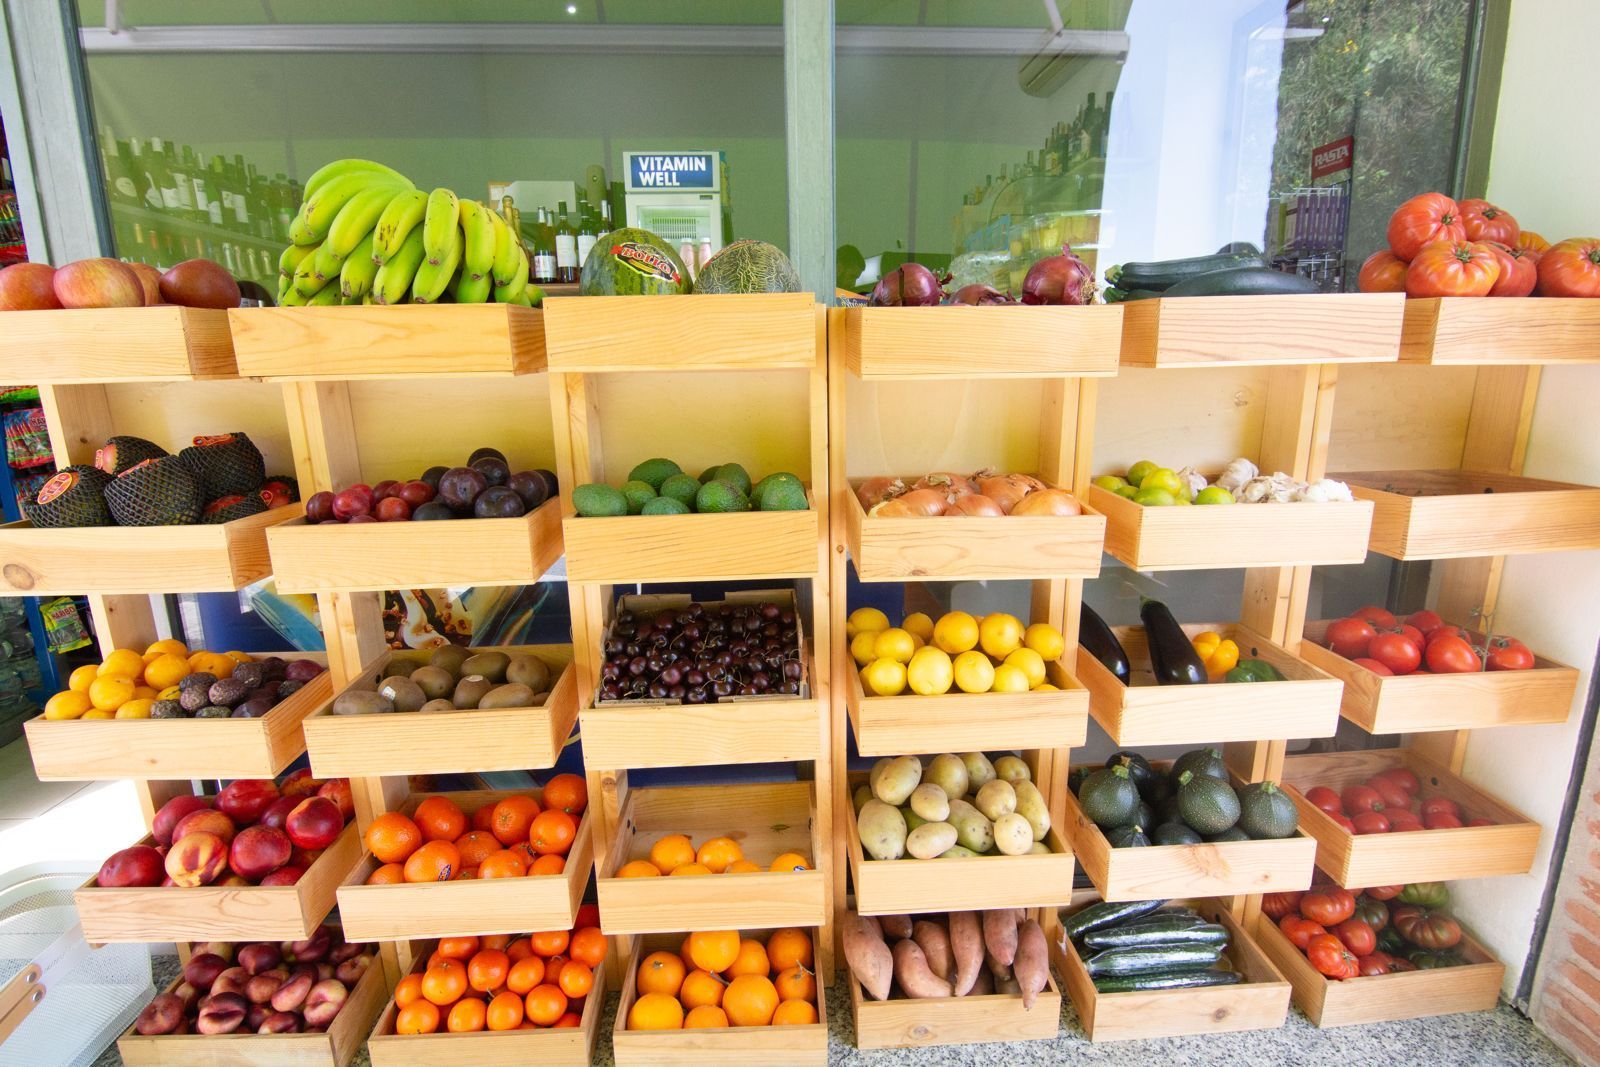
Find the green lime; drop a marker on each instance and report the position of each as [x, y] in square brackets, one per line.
[1137, 472]
[1163, 478]
[1152, 497]
[1213, 494]
[1128, 491]
[1110, 483]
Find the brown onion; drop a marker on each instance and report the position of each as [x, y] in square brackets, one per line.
[875, 491]
[974, 504]
[1063, 279]
[919, 503]
[1048, 502]
[1007, 489]
[945, 482]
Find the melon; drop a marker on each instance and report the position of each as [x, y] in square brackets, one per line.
[632, 262]
[748, 267]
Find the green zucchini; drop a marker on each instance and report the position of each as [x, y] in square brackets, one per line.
[1117, 295]
[1164, 274]
[1096, 916]
[1150, 959]
[1245, 281]
[1166, 980]
[1153, 935]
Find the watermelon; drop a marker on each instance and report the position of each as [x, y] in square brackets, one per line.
[632, 262]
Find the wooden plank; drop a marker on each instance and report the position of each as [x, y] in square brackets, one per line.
[928, 1022]
[1462, 331]
[956, 341]
[79, 420]
[609, 334]
[775, 729]
[687, 548]
[149, 344]
[1262, 331]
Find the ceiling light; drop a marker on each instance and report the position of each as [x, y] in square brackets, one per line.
[572, 9]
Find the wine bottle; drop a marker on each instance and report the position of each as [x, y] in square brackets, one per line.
[544, 250]
[566, 242]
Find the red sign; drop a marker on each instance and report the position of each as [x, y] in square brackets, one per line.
[1332, 157]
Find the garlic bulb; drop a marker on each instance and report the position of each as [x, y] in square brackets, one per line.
[1236, 475]
[1324, 491]
[1191, 478]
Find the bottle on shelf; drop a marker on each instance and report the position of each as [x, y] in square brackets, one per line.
[544, 251]
[200, 181]
[159, 191]
[1105, 124]
[566, 241]
[241, 197]
[121, 184]
[606, 225]
[182, 191]
[1092, 132]
[220, 207]
[704, 256]
[587, 233]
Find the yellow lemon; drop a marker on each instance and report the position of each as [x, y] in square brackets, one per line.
[1009, 678]
[973, 672]
[930, 672]
[1045, 686]
[168, 668]
[1000, 634]
[123, 663]
[138, 708]
[110, 692]
[170, 646]
[99, 713]
[918, 624]
[1045, 640]
[861, 647]
[895, 644]
[1031, 663]
[82, 677]
[956, 632]
[884, 677]
[70, 704]
[865, 619]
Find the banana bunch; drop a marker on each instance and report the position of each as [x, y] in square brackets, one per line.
[365, 235]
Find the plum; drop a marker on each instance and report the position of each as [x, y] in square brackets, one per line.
[319, 507]
[202, 969]
[460, 486]
[363, 518]
[161, 1016]
[221, 1013]
[432, 476]
[393, 509]
[493, 469]
[498, 502]
[432, 511]
[416, 493]
[324, 1001]
[349, 503]
[384, 490]
[259, 957]
[530, 487]
[302, 670]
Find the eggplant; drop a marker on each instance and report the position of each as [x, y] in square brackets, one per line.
[1096, 637]
[1173, 659]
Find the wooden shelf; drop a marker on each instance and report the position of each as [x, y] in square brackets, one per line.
[1145, 713]
[218, 913]
[1422, 702]
[445, 742]
[690, 548]
[926, 1022]
[1262, 331]
[972, 549]
[766, 820]
[411, 555]
[1213, 536]
[202, 558]
[165, 343]
[614, 334]
[1358, 861]
[398, 341]
[1469, 514]
[1468, 331]
[1474, 986]
[961, 342]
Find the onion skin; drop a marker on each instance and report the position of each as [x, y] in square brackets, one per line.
[974, 505]
[1007, 489]
[917, 504]
[875, 491]
[1063, 279]
[947, 483]
[1048, 502]
[909, 285]
[979, 295]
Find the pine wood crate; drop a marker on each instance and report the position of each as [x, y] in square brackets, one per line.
[605, 334]
[926, 1022]
[1145, 713]
[1475, 986]
[149, 344]
[968, 722]
[1465, 331]
[1442, 514]
[1357, 861]
[734, 1046]
[216, 912]
[88, 750]
[1423, 702]
[405, 555]
[1262, 331]
[334, 1047]
[972, 549]
[956, 341]
[1213, 536]
[1260, 1002]
[566, 1047]
[766, 819]
[202, 558]
[398, 341]
[447, 742]
[475, 906]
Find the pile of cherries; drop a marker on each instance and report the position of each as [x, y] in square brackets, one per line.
[702, 654]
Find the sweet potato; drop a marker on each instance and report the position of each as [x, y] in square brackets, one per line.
[895, 925]
[984, 986]
[911, 971]
[1000, 934]
[935, 944]
[966, 945]
[869, 958]
[1032, 965]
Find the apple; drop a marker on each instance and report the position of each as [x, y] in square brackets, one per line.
[315, 823]
[139, 866]
[197, 859]
[245, 800]
[199, 283]
[205, 820]
[172, 811]
[98, 283]
[27, 287]
[150, 280]
[258, 851]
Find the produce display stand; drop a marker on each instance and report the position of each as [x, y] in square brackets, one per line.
[1464, 331]
[1261, 331]
[968, 1020]
[93, 346]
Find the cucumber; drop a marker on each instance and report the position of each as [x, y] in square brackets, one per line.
[1164, 274]
[1153, 935]
[1166, 980]
[1096, 916]
[1244, 281]
[1151, 959]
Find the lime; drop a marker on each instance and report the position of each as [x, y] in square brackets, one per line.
[1110, 482]
[1154, 498]
[1163, 478]
[1128, 492]
[1213, 494]
[1137, 472]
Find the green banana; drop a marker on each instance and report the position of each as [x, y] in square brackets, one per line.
[434, 278]
[356, 219]
[505, 251]
[338, 167]
[301, 234]
[285, 287]
[535, 295]
[305, 282]
[394, 277]
[507, 294]
[444, 213]
[326, 297]
[290, 259]
[397, 220]
[470, 290]
[326, 264]
[320, 210]
[293, 298]
[522, 300]
[477, 231]
[355, 277]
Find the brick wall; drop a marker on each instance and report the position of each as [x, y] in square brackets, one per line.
[1566, 993]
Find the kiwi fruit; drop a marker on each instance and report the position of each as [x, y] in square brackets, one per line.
[401, 667]
[436, 682]
[490, 665]
[437, 705]
[530, 671]
[403, 693]
[360, 702]
[449, 657]
[510, 695]
[470, 690]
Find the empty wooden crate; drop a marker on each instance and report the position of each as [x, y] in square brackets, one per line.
[1442, 514]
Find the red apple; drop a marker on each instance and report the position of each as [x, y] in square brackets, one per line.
[139, 866]
[314, 823]
[206, 820]
[27, 287]
[197, 859]
[173, 810]
[338, 791]
[150, 279]
[98, 283]
[199, 283]
[258, 851]
[246, 799]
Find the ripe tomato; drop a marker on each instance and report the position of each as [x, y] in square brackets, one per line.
[1344, 821]
[1435, 805]
[1462, 268]
[1485, 222]
[1329, 956]
[1299, 930]
[1328, 905]
[1405, 629]
[1374, 964]
[1357, 936]
[1423, 220]
[1374, 666]
[1571, 268]
[1533, 242]
[1277, 905]
[1519, 270]
[1508, 654]
[1383, 272]
[1375, 913]
[1404, 777]
[1393, 794]
[1383, 892]
[1433, 930]
[1380, 618]
[1402, 821]
[1439, 633]
[1360, 798]
[1326, 799]
[1452, 655]
[1398, 652]
[1426, 621]
[1371, 822]
[1350, 637]
[1442, 820]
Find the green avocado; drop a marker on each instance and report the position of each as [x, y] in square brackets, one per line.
[595, 500]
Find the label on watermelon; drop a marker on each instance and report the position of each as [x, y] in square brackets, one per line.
[213, 439]
[646, 261]
[57, 485]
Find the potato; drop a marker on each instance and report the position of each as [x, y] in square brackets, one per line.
[877, 771]
[972, 830]
[980, 771]
[911, 971]
[492, 665]
[883, 830]
[401, 667]
[934, 941]
[966, 948]
[931, 802]
[1031, 806]
[1000, 934]
[1031, 968]
[957, 852]
[961, 805]
[898, 780]
[1039, 848]
[530, 671]
[1012, 835]
[896, 925]
[862, 794]
[510, 695]
[930, 840]
[436, 682]
[995, 799]
[361, 702]
[869, 958]
[1012, 769]
[948, 773]
[449, 658]
[913, 820]
[470, 690]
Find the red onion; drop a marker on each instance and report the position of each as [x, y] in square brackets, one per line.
[1063, 279]
[910, 285]
[980, 295]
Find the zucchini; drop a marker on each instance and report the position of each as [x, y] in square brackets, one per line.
[1164, 274]
[1245, 281]
[1151, 959]
[1095, 636]
[1117, 295]
[1154, 935]
[1166, 980]
[1096, 916]
[1173, 659]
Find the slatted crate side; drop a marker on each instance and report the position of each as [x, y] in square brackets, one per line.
[956, 341]
[615, 334]
[95, 345]
[1262, 331]
[1466, 331]
[928, 1022]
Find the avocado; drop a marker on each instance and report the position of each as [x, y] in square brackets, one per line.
[1175, 833]
[1203, 762]
[596, 500]
[1109, 797]
[1265, 811]
[770, 480]
[653, 472]
[664, 505]
[717, 496]
[735, 475]
[682, 488]
[785, 495]
[638, 494]
[1207, 805]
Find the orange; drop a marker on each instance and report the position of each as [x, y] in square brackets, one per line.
[661, 972]
[467, 1017]
[437, 956]
[639, 869]
[794, 1013]
[483, 819]
[691, 869]
[488, 970]
[789, 946]
[714, 950]
[552, 833]
[718, 853]
[790, 861]
[110, 691]
[476, 845]
[743, 867]
[796, 983]
[459, 948]
[212, 662]
[436, 861]
[499, 941]
[519, 949]
[418, 1017]
[671, 852]
[568, 1021]
[588, 946]
[388, 874]
[166, 669]
[701, 988]
[71, 704]
[137, 708]
[706, 1016]
[512, 818]
[392, 837]
[655, 1011]
[409, 989]
[752, 959]
[82, 677]
[527, 853]
[683, 953]
[168, 645]
[545, 1004]
[502, 864]
[99, 713]
[525, 974]
[547, 865]
[504, 1012]
[439, 819]
[553, 966]
[445, 982]
[548, 943]
[750, 1000]
[123, 663]
[465, 874]
[568, 793]
[576, 980]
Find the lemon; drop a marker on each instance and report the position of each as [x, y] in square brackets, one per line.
[1044, 687]
[1009, 678]
[138, 708]
[123, 663]
[918, 624]
[110, 692]
[884, 677]
[1030, 663]
[865, 619]
[82, 678]
[1045, 640]
[861, 646]
[70, 704]
[956, 632]
[930, 672]
[973, 672]
[895, 644]
[1000, 634]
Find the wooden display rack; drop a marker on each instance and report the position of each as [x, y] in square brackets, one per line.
[1466, 331]
[1262, 331]
[98, 345]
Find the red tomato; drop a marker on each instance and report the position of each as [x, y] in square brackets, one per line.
[1299, 930]
[1328, 905]
[1374, 964]
[1344, 821]
[1360, 798]
[1402, 776]
[1383, 272]
[1435, 805]
[1439, 633]
[1350, 637]
[1383, 892]
[1452, 655]
[1426, 621]
[1380, 618]
[1519, 270]
[1571, 268]
[1398, 652]
[1393, 794]
[1329, 956]
[1357, 936]
[1405, 629]
[1371, 822]
[1402, 821]
[1277, 905]
[1509, 655]
[1464, 268]
[1442, 820]
[1326, 799]
[1421, 221]
[1485, 222]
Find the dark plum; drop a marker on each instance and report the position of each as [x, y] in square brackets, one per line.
[460, 486]
[319, 507]
[432, 511]
[498, 502]
[530, 487]
[431, 476]
[493, 469]
[480, 453]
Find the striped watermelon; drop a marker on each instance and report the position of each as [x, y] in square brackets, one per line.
[748, 267]
[632, 262]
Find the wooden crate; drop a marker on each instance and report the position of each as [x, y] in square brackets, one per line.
[1262, 331]
[1470, 514]
[603, 334]
[1422, 702]
[88, 750]
[406, 555]
[765, 818]
[203, 558]
[956, 341]
[399, 341]
[972, 549]
[1475, 986]
[566, 1047]
[1260, 1002]
[1212, 536]
[968, 722]
[923, 1023]
[1144, 713]
[1358, 861]
[446, 742]
[334, 1047]
[1464, 331]
[150, 344]
[734, 1046]
[219, 913]
[476, 906]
